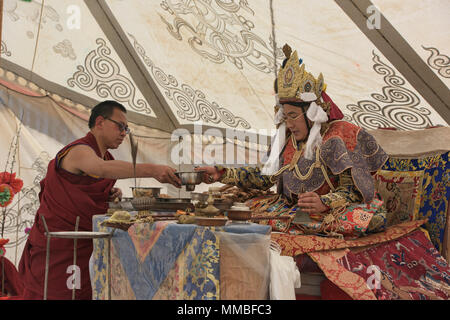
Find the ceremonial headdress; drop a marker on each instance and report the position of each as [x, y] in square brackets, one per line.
[295, 86]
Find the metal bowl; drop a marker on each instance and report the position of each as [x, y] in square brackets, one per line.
[145, 192]
[190, 177]
[202, 197]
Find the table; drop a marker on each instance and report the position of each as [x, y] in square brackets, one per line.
[167, 260]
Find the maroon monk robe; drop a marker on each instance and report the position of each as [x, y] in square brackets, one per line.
[63, 197]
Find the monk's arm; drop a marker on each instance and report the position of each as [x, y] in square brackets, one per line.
[83, 159]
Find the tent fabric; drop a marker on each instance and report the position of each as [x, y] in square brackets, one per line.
[415, 22]
[52, 41]
[411, 144]
[197, 65]
[228, 80]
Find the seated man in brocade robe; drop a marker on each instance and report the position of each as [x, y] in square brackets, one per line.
[323, 168]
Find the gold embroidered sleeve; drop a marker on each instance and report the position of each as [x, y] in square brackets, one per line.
[346, 192]
[245, 178]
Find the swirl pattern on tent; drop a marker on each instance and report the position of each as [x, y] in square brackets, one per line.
[401, 109]
[21, 213]
[221, 32]
[4, 50]
[65, 49]
[101, 73]
[439, 62]
[192, 104]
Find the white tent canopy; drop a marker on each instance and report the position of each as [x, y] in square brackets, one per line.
[180, 63]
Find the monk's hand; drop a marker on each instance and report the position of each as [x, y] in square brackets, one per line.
[115, 193]
[310, 202]
[166, 174]
[211, 174]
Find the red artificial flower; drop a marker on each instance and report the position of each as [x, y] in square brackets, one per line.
[10, 178]
[6, 195]
[2, 243]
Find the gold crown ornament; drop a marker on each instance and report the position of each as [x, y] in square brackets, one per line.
[296, 84]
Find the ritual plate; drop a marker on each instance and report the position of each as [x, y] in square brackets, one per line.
[79, 234]
[210, 222]
[174, 200]
[155, 204]
[118, 225]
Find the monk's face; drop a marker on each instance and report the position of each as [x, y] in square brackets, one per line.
[295, 121]
[113, 129]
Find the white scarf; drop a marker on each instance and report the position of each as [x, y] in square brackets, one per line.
[318, 116]
[272, 164]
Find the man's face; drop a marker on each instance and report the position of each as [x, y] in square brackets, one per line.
[295, 121]
[113, 135]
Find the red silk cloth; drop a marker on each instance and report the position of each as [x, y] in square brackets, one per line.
[64, 196]
[335, 112]
[13, 285]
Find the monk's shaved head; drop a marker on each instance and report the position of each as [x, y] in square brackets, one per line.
[104, 109]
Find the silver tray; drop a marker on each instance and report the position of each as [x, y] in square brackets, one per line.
[79, 234]
[173, 200]
[153, 204]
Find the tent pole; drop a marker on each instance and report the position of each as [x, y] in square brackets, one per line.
[1, 29]
[1, 21]
[3, 272]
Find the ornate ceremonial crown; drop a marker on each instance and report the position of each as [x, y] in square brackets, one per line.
[294, 83]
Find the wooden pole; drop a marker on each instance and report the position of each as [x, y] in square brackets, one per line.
[1, 22]
[1, 28]
[3, 277]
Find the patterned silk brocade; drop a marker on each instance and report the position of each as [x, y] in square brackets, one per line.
[365, 157]
[340, 173]
[351, 283]
[345, 147]
[410, 269]
[294, 245]
[428, 182]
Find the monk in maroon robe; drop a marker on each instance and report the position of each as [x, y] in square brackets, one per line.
[79, 183]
